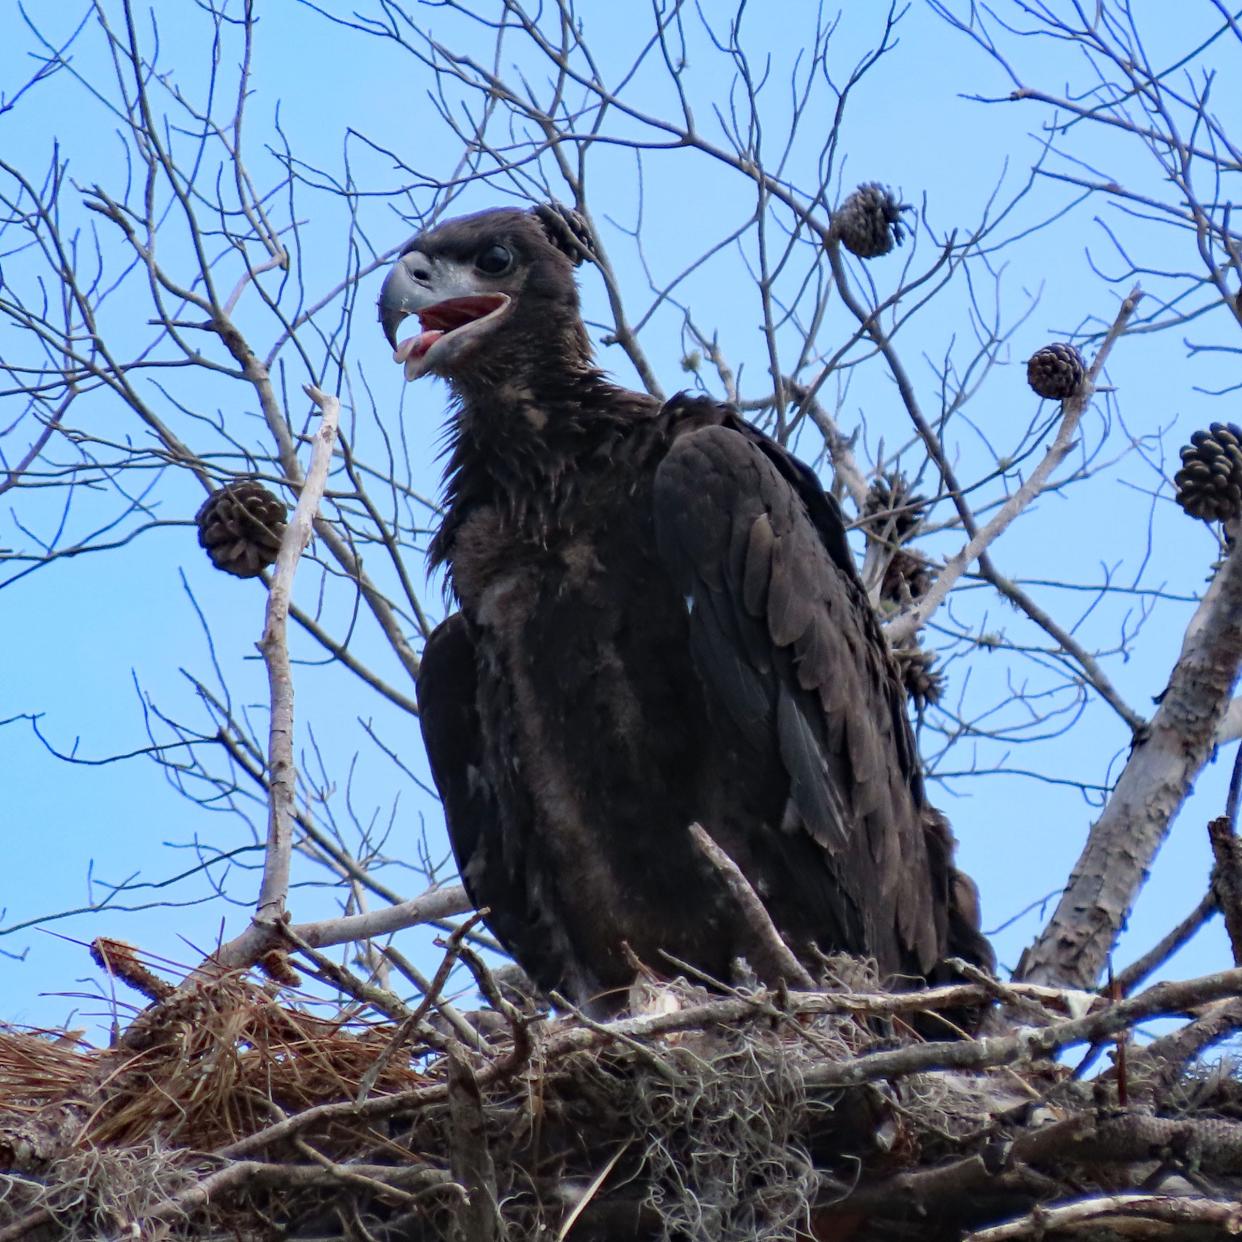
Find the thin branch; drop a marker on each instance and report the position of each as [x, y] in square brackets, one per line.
[428, 907]
[772, 959]
[1226, 883]
[1162, 1210]
[274, 890]
[904, 627]
[1166, 946]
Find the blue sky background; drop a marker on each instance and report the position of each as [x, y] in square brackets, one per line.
[89, 639]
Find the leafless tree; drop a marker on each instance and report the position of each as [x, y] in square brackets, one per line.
[170, 292]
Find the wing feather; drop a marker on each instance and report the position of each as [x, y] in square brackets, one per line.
[787, 645]
[758, 565]
[493, 870]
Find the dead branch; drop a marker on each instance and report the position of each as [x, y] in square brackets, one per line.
[246, 1173]
[470, 1161]
[1168, 944]
[1226, 882]
[1169, 1055]
[1159, 1210]
[1031, 1043]
[904, 627]
[429, 907]
[274, 890]
[1227, 878]
[1123, 842]
[771, 957]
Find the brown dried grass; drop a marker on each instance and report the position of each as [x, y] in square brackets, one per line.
[200, 1071]
[38, 1067]
[703, 1132]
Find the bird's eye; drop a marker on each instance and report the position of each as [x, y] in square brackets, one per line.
[494, 260]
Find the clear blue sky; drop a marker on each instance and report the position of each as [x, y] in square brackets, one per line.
[88, 640]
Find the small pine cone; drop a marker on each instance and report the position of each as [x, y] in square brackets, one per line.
[1209, 484]
[240, 525]
[869, 221]
[907, 578]
[1056, 371]
[892, 508]
[923, 682]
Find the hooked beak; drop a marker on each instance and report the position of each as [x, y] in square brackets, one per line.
[394, 303]
[451, 310]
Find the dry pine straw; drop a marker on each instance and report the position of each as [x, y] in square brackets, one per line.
[719, 1121]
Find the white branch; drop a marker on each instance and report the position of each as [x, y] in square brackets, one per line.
[902, 629]
[1123, 842]
[260, 938]
[279, 259]
[1230, 727]
[440, 903]
[1102, 1210]
[275, 649]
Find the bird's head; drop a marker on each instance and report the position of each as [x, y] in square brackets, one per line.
[494, 296]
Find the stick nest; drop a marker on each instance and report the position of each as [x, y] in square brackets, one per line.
[851, 1113]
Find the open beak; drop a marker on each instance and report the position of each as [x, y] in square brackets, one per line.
[451, 311]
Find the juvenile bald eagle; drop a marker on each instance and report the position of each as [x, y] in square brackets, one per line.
[661, 624]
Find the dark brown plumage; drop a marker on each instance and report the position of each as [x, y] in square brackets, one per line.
[660, 623]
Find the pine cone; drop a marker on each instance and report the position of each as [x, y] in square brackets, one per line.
[240, 525]
[923, 682]
[907, 578]
[869, 221]
[893, 509]
[1056, 371]
[1209, 484]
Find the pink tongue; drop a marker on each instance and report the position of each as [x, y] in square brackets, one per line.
[416, 346]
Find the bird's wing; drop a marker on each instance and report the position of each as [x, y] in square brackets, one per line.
[449, 716]
[790, 650]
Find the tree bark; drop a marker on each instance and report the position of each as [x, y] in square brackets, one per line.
[1072, 949]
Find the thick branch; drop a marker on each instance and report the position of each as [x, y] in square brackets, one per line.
[1230, 727]
[470, 1160]
[1169, 1054]
[1123, 843]
[1227, 879]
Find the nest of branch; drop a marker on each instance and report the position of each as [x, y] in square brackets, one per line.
[893, 510]
[223, 1111]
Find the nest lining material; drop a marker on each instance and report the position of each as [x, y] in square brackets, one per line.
[224, 1108]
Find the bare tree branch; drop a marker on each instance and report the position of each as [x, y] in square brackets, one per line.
[274, 645]
[1123, 842]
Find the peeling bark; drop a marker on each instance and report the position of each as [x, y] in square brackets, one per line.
[1072, 949]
